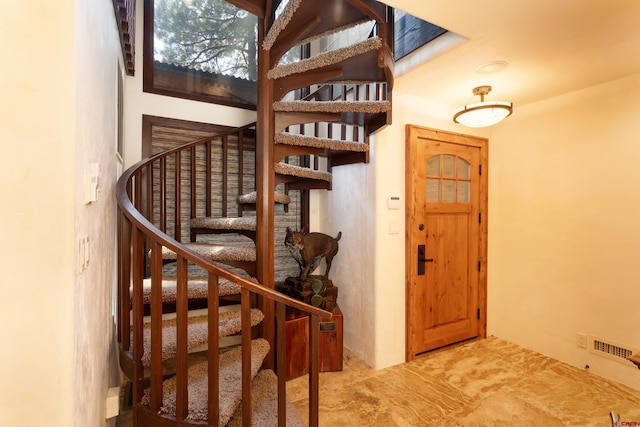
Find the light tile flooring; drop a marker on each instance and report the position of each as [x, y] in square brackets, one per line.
[489, 382]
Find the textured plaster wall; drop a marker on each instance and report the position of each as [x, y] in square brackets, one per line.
[564, 229]
[95, 366]
[37, 173]
[346, 209]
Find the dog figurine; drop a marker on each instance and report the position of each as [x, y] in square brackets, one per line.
[308, 249]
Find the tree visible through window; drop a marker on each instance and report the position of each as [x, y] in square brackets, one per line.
[201, 49]
[207, 35]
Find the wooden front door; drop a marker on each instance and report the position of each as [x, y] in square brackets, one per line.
[446, 238]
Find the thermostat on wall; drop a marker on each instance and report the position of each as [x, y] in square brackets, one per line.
[393, 202]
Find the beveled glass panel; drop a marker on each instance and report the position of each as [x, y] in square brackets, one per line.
[464, 169]
[433, 190]
[464, 191]
[449, 190]
[433, 166]
[449, 165]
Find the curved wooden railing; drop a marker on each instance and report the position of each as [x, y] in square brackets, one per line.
[140, 245]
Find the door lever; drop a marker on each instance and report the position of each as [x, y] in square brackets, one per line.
[422, 251]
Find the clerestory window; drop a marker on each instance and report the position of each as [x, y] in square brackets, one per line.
[411, 33]
[201, 49]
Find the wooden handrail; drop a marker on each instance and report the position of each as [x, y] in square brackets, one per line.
[141, 223]
[140, 245]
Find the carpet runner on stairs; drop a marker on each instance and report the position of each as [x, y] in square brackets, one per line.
[301, 172]
[230, 384]
[264, 392]
[226, 224]
[251, 198]
[280, 23]
[336, 30]
[197, 288]
[323, 59]
[371, 107]
[312, 141]
[229, 324]
[213, 252]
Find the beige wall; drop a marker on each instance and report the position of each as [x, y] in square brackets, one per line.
[564, 225]
[37, 218]
[57, 115]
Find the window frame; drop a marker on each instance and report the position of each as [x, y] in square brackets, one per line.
[149, 73]
[405, 49]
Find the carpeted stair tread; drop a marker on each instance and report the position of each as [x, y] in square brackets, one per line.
[229, 324]
[335, 31]
[230, 384]
[240, 223]
[213, 252]
[197, 288]
[280, 23]
[251, 198]
[312, 141]
[264, 393]
[371, 107]
[301, 172]
[324, 59]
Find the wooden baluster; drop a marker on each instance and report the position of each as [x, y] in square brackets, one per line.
[207, 175]
[138, 313]
[281, 351]
[137, 191]
[182, 300]
[225, 171]
[213, 353]
[156, 327]
[240, 168]
[124, 293]
[245, 309]
[193, 210]
[148, 181]
[314, 367]
[177, 201]
[163, 194]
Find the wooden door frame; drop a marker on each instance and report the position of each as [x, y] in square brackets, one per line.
[419, 132]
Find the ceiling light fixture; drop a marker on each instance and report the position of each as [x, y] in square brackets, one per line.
[482, 114]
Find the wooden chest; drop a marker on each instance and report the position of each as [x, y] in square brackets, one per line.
[297, 339]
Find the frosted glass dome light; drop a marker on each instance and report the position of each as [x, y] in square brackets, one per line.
[483, 113]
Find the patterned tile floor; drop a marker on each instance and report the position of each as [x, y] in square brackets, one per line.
[490, 382]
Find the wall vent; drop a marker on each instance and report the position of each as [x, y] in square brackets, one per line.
[609, 349]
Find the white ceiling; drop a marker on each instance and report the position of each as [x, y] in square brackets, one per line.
[552, 47]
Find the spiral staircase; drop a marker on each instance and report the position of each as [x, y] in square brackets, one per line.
[314, 114]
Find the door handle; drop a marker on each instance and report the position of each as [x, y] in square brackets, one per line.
[422, 252]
